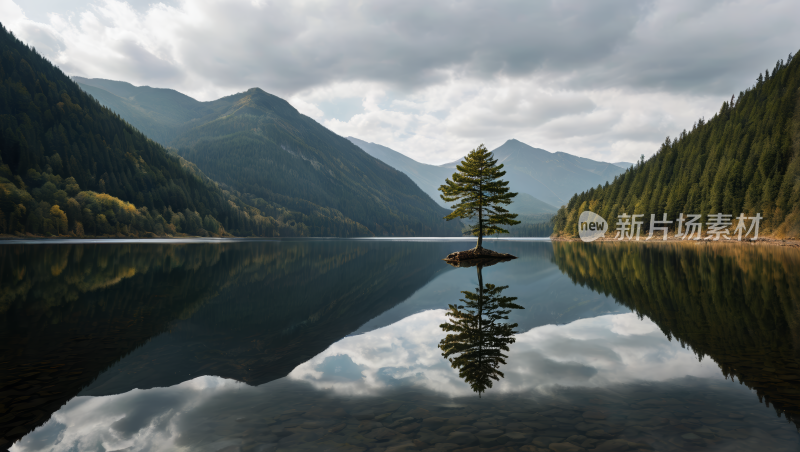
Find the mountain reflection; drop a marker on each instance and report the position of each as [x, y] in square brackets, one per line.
[739, 305]
[477, 338]
[250, 311]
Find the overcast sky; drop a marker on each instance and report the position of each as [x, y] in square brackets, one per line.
[603, 79]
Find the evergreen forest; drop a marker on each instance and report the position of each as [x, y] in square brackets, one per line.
[69, 166]
[745, 159]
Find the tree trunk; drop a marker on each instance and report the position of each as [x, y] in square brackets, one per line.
[480, 233]
[480, 221]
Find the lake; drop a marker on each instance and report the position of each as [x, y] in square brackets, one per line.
[270, 345]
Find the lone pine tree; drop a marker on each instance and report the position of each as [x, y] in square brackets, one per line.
[479, 191]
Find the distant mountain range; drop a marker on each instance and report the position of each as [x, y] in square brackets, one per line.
[297, 171]
[545, 180]
[259, 146]
[430, 177]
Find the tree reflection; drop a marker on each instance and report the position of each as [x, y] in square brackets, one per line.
[477, 336]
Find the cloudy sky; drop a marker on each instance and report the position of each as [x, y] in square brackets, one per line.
[604, 79]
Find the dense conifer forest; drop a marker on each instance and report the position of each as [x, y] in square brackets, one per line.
[746, 159]
[70, 166]
[540, 225]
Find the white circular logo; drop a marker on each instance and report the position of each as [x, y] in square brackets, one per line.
[591, 226]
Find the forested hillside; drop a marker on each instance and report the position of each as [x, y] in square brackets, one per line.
[260, 146]
[68, 165]
[746, 159]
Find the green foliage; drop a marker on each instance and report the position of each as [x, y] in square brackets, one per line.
[57, 143]
[289, 166]
[540, 225]
[476, 336]
[478, 190]
[746, 159]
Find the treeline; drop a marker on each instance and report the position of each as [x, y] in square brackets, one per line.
[534, 225]
[543, 229]
[746, 159]
[70, 165]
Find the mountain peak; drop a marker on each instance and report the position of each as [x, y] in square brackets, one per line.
[257, 101]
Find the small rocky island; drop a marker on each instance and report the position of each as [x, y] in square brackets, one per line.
[477, 256]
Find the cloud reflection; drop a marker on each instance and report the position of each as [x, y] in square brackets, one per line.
[139, 420]
[590, 352]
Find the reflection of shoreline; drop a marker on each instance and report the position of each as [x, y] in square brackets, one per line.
[738, 305]
[658, 238]
[93, 319]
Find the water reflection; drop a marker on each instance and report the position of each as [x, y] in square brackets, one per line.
[477, 338]
[738, 305]
[250, 311]
[208, 335]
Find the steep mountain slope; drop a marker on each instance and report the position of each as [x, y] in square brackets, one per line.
[525, 204]
[427, 177]
[70, 165]
[260, 145]
[744, 159]
[550, 177]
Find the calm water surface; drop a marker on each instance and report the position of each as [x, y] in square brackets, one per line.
[338, 345]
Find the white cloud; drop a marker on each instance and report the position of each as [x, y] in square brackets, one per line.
[606, 80]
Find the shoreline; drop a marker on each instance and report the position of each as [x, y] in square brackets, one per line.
[761, 241]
